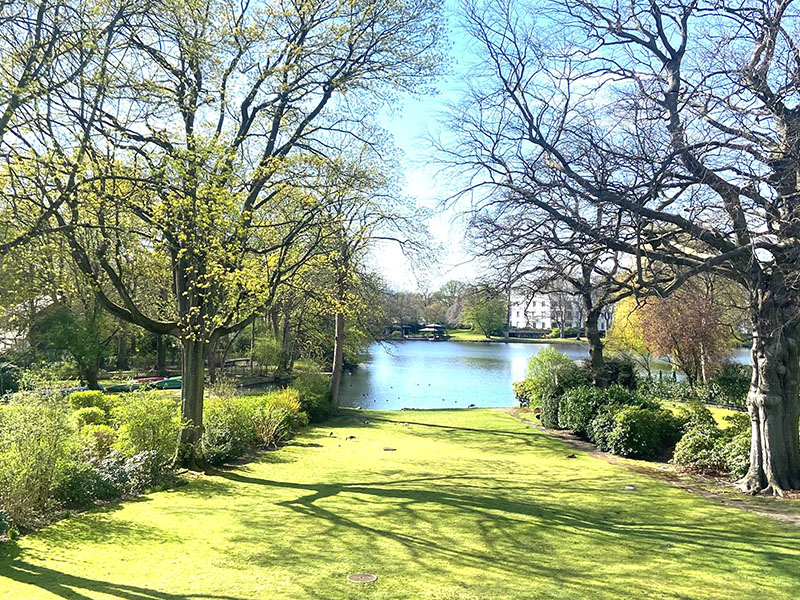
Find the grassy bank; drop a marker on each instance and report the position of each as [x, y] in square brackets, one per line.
[470, 335]
[450, 506]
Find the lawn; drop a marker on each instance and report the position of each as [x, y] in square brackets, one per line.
[472, 335]
[468, 505]
[717, 412]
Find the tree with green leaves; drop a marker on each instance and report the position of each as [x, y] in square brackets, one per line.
[216, 124]
[486, 311]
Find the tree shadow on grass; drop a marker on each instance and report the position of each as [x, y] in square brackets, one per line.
[647, 529]
[73, 587]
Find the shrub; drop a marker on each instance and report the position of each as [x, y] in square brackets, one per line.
[550, 374]
[95, 442]
[698, 451]
[80, 484]
[571, 332]
[34, 436]
[135, 474]
[695, 415]
[522, 392]
[601, 426]
[9, 378]
[665, 390]
[314, 396]
[228, 430]
[91, 415]
[730, 386]
[88, 399]
[620, 370]
[579, 406]
[643, 432]
[275, 415]
[148, 421]
[736, 454]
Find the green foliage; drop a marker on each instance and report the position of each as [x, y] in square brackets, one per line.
[488, 314]
[601, 426]
[228, 430]
[695, 415]
[136, 474]
[275, 415]
[699, 451]
[236, 424]
[80, 331]
[9, 378]
[736, 454]
[80, 484]
[314, 391]
[95, 442]
[549, 374]
[729, 387]
[643, 432]
[522, 392]
[34, 436]
[88, 399]
[90, 415]
[620, 370]
[705, 448]
[267, 351]
[147, 421]
[579, 406]
[665, 390]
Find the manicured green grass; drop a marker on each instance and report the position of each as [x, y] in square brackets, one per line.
[718, 413]
[469, 505]
[471, 335]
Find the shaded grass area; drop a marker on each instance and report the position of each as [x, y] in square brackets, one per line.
[468, 504]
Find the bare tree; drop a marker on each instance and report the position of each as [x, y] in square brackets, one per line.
[681, 119]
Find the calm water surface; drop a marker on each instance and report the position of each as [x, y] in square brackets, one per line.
[442, 374]
[445, 374]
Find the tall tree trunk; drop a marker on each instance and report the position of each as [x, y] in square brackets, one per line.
[338, 359]
[91, 373]
[212, 363]
[774, 401]
[286, 358]
[192, 370]
[123, 362]
[161, 356]
[596, 360]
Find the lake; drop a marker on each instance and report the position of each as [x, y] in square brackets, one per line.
[446, 374]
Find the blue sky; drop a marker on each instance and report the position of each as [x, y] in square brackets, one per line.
[409, 124]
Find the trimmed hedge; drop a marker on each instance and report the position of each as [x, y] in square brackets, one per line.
[643, 432]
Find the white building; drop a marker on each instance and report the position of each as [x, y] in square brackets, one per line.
[545, 311]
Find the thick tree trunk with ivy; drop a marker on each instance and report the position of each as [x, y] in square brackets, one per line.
[192, 387]
[774, 398]
[338, 360]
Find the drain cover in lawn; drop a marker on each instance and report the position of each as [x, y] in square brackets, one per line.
[362, 577]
